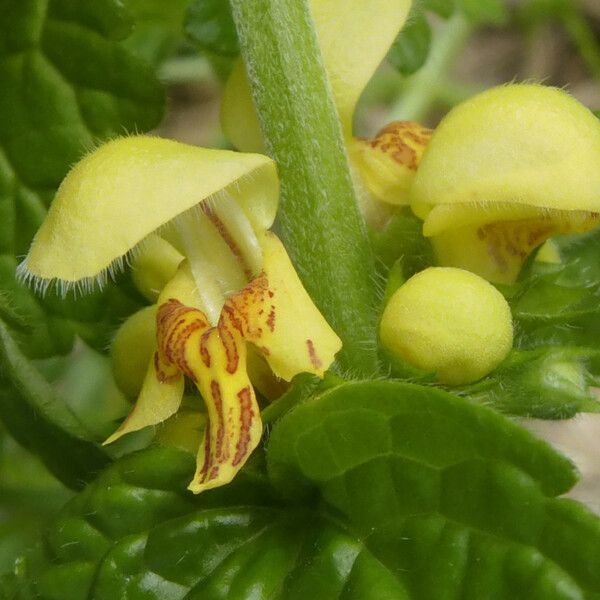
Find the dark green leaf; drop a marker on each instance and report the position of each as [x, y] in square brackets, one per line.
[29, 498]
[456, 500]
[67, 82]
[407, 482]
[485, 12]
[41, 421]
[209, 25]
[411, 48]
[443, 8]
[402, 239]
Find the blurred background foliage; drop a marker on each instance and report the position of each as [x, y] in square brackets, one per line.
[449, 50]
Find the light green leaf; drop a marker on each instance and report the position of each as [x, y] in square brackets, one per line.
[41, 421]
[545, 383]
[158, 29]
[209, 25]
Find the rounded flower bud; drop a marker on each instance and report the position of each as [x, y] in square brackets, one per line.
[448, 321]
[132, 349]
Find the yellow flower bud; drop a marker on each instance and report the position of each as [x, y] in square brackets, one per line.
[450, 322]
[132, 350]
[154, 265]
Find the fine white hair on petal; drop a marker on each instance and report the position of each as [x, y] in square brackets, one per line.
[81, 287]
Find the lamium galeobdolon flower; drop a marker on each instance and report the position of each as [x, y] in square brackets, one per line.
[197, 220]
[505, 171]
[354, 38]
[502, 173]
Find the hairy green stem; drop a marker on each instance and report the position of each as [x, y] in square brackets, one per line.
[424, 88]
[318, 218]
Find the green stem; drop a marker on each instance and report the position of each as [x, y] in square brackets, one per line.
[583, 37]
[425, 87]
[318, 218]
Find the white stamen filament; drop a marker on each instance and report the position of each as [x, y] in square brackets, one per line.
[233, 217]
[222, 249]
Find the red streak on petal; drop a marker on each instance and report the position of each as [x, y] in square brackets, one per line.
[271, 319]
[227, 238]
[246, 417]
[204, 353]
[164, 374]
[204, 470]
[230, 346]
[215, 392]
[312, 354]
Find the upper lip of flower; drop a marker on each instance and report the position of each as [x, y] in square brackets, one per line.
[97, 220]
[234, 284]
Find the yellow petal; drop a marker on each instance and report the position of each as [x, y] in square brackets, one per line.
[159, 399]
[233, 427]
[277, 315]
[505, 171]
[127, 189]
[497, 250]
[163, 384]
[521, 144]
[238, 117]
[214, 358]
[354, 36]
[449, 322]
[388, 162]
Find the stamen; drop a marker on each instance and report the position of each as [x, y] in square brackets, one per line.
[222, 248]
[237, 231]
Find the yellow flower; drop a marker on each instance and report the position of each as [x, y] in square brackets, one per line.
[354, 37]
[202, 216]
[503, 172]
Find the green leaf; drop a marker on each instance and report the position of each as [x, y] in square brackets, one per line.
[411, 48]
[402, 239]
[399, 482]
[41, 421]
[209, 25]
[546, 383]
[158, 28]
[443, 8]
[29, 497]
[437, 486]
[485, 12]
[557, 304]
[67, 82]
